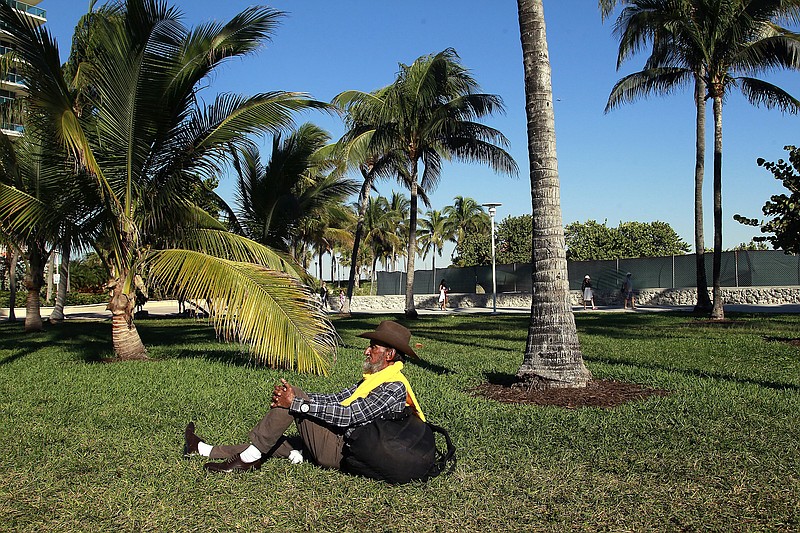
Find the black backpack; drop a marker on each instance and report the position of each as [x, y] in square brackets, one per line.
[397, 449]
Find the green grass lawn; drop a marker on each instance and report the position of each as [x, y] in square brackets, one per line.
[88, 446]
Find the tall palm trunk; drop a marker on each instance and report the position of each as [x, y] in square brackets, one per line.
[717, 311]
[363, 201]
[57, 315]
[552, 354]
[410, 311]
[433, 269]
[51, 266]
[12, 285]
[34, 280]
[124, 335]
[703, 304]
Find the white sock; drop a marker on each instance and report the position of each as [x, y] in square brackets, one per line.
[296, 457]
[204, 449]
[250, 454]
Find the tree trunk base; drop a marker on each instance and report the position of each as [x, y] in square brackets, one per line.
[411, 314]
[126, 341]
[702, 310]
[535, 382]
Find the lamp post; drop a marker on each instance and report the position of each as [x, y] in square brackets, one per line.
[492, 206]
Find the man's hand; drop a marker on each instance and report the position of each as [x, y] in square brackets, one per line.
[282, 395]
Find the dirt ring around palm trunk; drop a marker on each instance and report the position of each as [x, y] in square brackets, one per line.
[598, 393]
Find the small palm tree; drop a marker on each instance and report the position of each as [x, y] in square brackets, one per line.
[433, 233]
[400, 206]
[380, 234]
[373, 163]
[295, 197]
[32, 168]
[11, 255]
[463, 217]
[145, 144]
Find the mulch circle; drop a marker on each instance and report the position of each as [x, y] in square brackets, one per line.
[792, 342]
[598, 393]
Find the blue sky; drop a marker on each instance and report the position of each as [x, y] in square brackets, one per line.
[635, 163]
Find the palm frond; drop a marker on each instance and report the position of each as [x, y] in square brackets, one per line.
[226, 245]
[762, 93]
[642, 84]
[270, 312]
[21, 212]
[209, 44]
[779, 51]
[49, 95]
[229, 117]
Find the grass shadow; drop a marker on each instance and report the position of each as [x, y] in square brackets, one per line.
[695, 373]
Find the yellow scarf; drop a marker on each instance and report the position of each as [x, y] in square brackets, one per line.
[387, 375]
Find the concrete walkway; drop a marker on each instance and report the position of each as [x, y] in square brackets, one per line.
[170, 307]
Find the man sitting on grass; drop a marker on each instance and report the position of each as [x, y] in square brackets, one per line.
[323, 420]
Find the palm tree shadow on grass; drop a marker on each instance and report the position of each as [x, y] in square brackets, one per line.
[719, 376]
[86, 340]
[18, 354]
[184, 339]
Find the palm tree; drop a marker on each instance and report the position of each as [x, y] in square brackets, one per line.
[295, 199]
[724, 43]
[324, 229]
[380, 236]
[356, 151]
[627, 46]
[428, 114]
[465, 216]
[146, 144]
[400, 205]
[12, 255]
[433, 233]
[31, 167]
[553, 355]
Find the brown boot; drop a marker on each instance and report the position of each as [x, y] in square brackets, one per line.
[190, 441]
[233, 464]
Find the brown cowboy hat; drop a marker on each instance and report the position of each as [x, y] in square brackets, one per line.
[393, 335]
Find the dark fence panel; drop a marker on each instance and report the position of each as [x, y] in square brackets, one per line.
[738, 269]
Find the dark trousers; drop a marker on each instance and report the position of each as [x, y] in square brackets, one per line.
[324, 445]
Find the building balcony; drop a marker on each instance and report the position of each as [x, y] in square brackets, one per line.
[11, 129]
[13, 83]
[14, 78]
[37, 12]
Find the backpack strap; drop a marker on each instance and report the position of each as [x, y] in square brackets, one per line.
[442, 458]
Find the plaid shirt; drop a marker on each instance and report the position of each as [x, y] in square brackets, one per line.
[385, 398]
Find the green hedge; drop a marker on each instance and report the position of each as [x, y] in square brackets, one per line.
[73, 298]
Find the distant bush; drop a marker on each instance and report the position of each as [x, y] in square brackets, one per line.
[73, 298]
[83, 298]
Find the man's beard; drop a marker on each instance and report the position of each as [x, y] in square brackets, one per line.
[370, 368]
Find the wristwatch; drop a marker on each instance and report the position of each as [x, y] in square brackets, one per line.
[304, 407]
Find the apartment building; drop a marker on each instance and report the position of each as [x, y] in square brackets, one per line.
[12, 85]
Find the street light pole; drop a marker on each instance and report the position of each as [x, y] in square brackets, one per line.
[492, 212]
